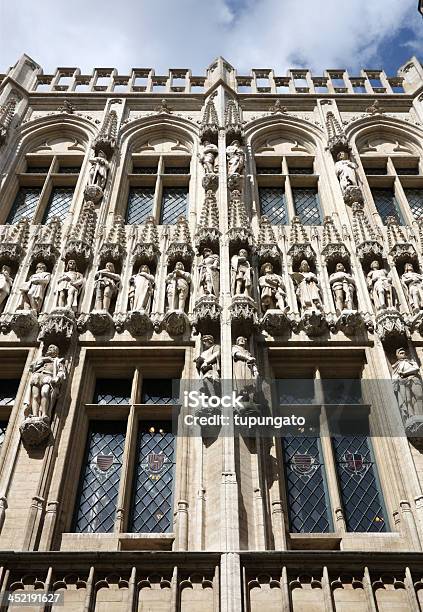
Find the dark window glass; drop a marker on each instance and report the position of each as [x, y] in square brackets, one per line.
[174, 204]
[59, 203]
[69, 169]
[25, 204]
[99, 485]
[176, 170]
[415, 201]
[37, 169]
[157, 391]
[360, 489]
[153, 481]
[8, 391]
[140, 204]
[3, 427]
[375, 171]
[302, 170]
[410, 171]
[112, 391]
[308, 500]
[386, 204]
[296, 391]
[273, 205]
[273, 170]
[342, 391]
[144, 170]
[307, 207]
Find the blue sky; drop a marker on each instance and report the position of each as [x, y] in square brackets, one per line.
[164, 34]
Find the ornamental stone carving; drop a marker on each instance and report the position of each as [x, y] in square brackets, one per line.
[99, 170]
[245, 374]
[106, 283]
[69, 287]
[34, 289]
[79, 245]
[209, 158]
[346, 171]
[7, 112]
[208, 367]
[334, 249]
[209, 128]
[241, 274]
[390, 326]
[239, 233]
[413, 285]
[343, 288]
[233, 123]
[146, 248]
[208, 233]
[6, 282]
[209, 277]
[267, 249]
[47, 376]
[380, 287]
[300, 248]
[47, 242]
[206, 314]
[177, 288]
[272, 289]
[180, 248]
[114, 247]
[408, 389]
[58, 326]
[400, 247]
[13, 241]
[367, 243]
[307, 289]
[141, 289]
[106, 140]
[236, 157]
[243, 312]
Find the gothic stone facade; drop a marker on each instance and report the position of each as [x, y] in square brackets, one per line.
[201, 228]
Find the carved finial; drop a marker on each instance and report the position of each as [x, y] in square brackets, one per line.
[237, 213]
[80, 242]
[106, 139]
[47, 243]
[331, 234]
[7, 112]
[209, 127]
[298, 234]
[337, 140]
[146, 248]
[300, 247]
[180, 247]
[13, 240]
[266, 233]
[233, 124]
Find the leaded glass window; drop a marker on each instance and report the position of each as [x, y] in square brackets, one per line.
[3, 427]
[415, 201]
[273, 205]
[112, 391]
[140, 204]
[176, 170]
[8, 391]
[361, 495]
[69, 169]
[157, 391]
[414, 171]
[25, 204]
[99, 485]
[144, 170]
[301, 170]
[152, 501]
[307, 207]
[296, 391]
[308, 499]
[59, 203]
[386, 204]
[174, 204]
[269, 170]
[376, 171]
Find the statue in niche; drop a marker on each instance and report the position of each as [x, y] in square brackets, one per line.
[343, 288]
[47, 376]
[244, 364]
[209, 157]
[308, 290]
[35, 288]
[6, 282]
[236, 156]
[272, 289]
[380, 286]
[408, 385]
[69, 286]
[413, 283]
[99, 170]
[177, 287]
[208, 363]
[345, 171]
[209, 274]
[141, 289]
[107, 284]
[241, 277]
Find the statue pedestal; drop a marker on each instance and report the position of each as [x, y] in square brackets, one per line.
[243, 315]
[35, 430]
[275, 322]
[349, 321]
[24, 321]
[100, 322]
[207, 314]
[414, 431]
[176, 323]
[59, 326]
[138, 322]
[313, 322]
[93, 193]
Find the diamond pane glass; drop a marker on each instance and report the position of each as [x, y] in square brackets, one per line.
[144, 170]
[307, 207]
[157, 391]
[25, 204]
[269, 170]
[176, 170]
[140, 204]
[174, 204]
[386, 204]
[8, 391]
[273, 205]
[59, 203]
[308, 500]
[408, 171]
[415, 201]
[361, 495]
[112, 391]
[296, 391]
[342, 391]
[153, 482]
[96, 503]
[3, 427]
[69, 169]
[301, 170]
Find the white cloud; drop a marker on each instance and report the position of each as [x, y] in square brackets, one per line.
[191, 33]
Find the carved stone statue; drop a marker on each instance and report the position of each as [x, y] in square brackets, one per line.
[6, 282]
[413, 283]
[408, 385]
[272, 289]
[241, 278]
[380, 286]
[209, 274]
[177, 287]
[208, 363]
[244, 364]
[209, 157]
[236, 156]
[69, 286]
[345, 171]
[343, 288]
[99, 170]
[34, 289]
[107, 284]
[141, 289]
[47, 375]
[308, 291]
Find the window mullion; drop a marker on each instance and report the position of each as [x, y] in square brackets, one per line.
[45, 193]
[289, 199]
[157, 204]
[126, 475]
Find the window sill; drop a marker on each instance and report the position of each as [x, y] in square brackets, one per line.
[117, 541]
[315, 541]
